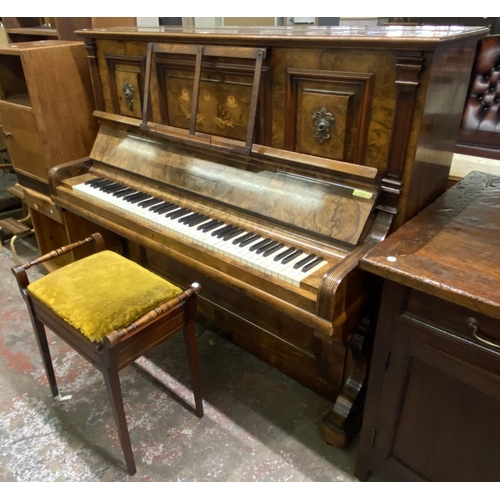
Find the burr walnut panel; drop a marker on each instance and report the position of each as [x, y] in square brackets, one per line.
[320, 207]
[126, 75]
[328, 113]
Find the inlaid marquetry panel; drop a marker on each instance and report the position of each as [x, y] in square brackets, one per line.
[327, 113]
[223, 103]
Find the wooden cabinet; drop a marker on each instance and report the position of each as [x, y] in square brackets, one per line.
[433, 396]
[46, 107]
[26, 29]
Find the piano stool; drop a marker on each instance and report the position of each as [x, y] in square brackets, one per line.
[111, 311]
[14, 228]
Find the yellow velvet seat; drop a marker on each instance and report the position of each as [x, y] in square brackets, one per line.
[111, 311]
[102, 293]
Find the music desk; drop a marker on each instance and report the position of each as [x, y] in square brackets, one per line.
[433, 398]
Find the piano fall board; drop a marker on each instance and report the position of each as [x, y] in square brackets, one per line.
[264, 163]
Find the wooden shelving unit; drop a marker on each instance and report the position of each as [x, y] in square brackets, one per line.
[25, 29]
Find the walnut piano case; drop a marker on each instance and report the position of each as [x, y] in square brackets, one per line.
[315, 139]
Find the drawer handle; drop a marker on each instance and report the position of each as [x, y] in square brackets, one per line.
[7, 134]
[473, 324]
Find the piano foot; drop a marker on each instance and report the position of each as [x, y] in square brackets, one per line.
[343, 421]
[341, 435]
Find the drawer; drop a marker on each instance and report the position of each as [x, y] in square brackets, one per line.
[466, 323]
[42, 204]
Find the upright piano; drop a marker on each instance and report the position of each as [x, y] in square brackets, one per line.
[264, 163]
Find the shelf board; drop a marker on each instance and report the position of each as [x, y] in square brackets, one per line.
[34, 30]
[19, 100]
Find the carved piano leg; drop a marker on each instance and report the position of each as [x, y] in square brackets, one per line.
[343, 421]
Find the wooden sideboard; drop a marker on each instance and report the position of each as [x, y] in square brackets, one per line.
[433, 395]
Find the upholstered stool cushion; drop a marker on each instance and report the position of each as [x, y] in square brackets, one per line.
[101, 293]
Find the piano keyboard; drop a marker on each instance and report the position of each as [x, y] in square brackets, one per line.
[289, 264]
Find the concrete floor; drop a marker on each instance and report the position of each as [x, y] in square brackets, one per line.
[259, 425]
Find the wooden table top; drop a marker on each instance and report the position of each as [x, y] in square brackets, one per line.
[451, 249]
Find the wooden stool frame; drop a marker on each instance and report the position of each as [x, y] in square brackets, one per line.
[118, 348]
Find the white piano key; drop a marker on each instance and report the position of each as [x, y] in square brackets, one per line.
[251, 258]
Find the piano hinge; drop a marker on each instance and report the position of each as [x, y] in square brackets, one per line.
[387, 358]
[374, 435]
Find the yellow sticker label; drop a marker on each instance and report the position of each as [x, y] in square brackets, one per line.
[362, 194]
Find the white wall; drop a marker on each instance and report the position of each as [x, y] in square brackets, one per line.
[147, 22]
[207, 22]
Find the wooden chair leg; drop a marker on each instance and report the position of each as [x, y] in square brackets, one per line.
[112, 382]
[43, 346]
[194, 366]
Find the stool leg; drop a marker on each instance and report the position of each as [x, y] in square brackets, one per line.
[43, 346]
[112, 382]
[15, 258]
[194, 365]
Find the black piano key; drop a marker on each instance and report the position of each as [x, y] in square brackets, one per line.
[228, 231]
[273, 249]
[233, 234]
[292, 256]
[284, 254]
[124, 192]
[312, 264]
[177, 213]
[136, 198]
[243, 238]
[104, 185]
[222, 231]
[195, 222]
[267, 246]
[148, 203]
[259, 244]
[100, 181]
[250, 240]
[135, 195]
[113, 188]
[168, 209]
[208, 226]
[93, 182]
[165, 204]
[190, 217]
[304, 261]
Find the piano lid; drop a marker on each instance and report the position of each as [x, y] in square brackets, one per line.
[320, 205]
[384, 36]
